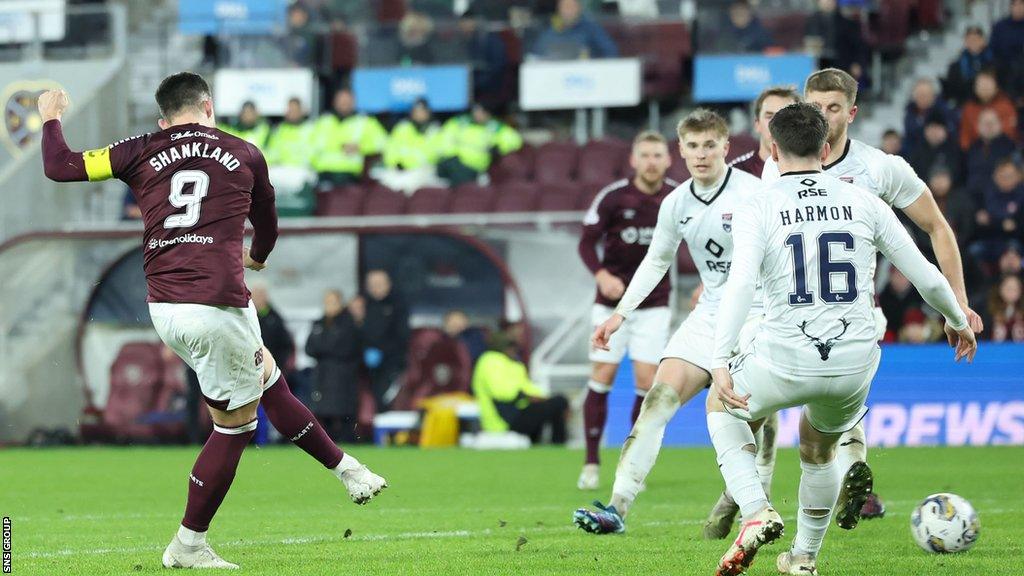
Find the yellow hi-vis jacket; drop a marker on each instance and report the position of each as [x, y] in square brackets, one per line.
[291, 144]
[409, 148]
[331, 134]
[500, 379]
[471, 143]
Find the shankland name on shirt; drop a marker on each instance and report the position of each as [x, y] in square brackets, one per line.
[183, 239]
[194, 150]
[816, 214]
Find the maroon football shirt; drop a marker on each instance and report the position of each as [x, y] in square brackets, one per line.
[750, 163]
[195, 186]
[622, 220]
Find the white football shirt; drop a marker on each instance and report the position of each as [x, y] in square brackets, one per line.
[811, 239]
[887, 176]
[706, 224]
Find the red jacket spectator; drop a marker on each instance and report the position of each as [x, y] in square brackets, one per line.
[987, 97]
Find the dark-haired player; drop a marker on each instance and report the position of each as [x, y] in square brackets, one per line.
[770, 101]
[196, 185]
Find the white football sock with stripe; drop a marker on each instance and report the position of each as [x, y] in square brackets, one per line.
[819, 489]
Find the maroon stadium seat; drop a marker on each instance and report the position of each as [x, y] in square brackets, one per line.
[381, 201]
[136, 377]
[429, 201]
[515, 166]
[389, 11]
[555, 162]
[344, 201]
[344, 50]
[601, 161]
[516, 197]
[662, 47]
[787, 29]
[472, 199]
[559, 197]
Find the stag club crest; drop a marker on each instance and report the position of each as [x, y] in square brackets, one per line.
[825, 346]
[727, 222]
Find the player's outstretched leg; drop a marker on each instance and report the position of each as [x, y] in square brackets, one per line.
[857, 482]
[723, 513]
[762, 525]
[293, 420]
[595, 415]
[209, 482]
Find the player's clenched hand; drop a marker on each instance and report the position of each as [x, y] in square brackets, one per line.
[603, 333]
[249, 263]
[964, 341]
[722, 381]
[52, 104]
[610, 285]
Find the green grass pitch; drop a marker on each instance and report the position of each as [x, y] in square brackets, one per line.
[99, 511]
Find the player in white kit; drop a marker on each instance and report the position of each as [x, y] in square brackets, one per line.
[890, 178]
[699, 211]
[810, 239]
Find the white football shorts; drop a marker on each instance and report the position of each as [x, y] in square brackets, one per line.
[221, 343]
[643, 334]
[694, 339]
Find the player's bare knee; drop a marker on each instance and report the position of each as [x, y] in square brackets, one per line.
[603, 373]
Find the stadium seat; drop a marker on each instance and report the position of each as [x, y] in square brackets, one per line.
[516, 197]
[344, 50]
[389, 11]
[555, 162]
[429, 201]
[787, 29]
[381, 201]
[601, 161]
[560, 197]
[344, 201]
[438, 364]
[515, 166]
[471, 199]
[137, 380]
[662, 46]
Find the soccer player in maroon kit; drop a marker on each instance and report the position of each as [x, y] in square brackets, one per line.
[622, 219]
[196, 185]
[770, 101]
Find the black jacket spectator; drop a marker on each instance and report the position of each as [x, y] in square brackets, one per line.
[839, 38]
[486, 51]
[936, 149]
[385, 331]
[335, 345]
[975, 57]
[276, 337]
[1008, 34]
[924, 107]
[982, 159]
[742, 31]
[898, 297]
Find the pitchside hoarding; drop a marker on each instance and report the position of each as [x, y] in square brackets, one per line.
[919, 398]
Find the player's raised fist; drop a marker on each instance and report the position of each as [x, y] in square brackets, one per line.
[52, 104]
[249, 263]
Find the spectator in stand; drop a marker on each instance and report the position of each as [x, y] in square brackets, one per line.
[999, 219]
[1010, 263]
[471, 141]
[456, 325]
[837, 39]
[276, 336]
[892, 142]
[334, 344]
[129, 207]
[987, 96]
[975, 57]
[302, 42]
[509, 400]
[770, 101]
[924, 105]
[385, 333]
[896, 299]
[573, 34]
[959, 208]
[1008, 35]
[412, 152]
[249, 126]
[288, 144]
[991, 146]
[919, 328]
[742, 31]
[415, 33]
[937, 149]
[485, 50]
[1006, 311]
[342, 139]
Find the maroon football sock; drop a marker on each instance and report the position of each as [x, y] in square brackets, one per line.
[293, 420]
[213, 472]
[638, 401]
[595, 413]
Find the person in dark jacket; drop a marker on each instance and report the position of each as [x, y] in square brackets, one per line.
[486, 51]
[924, 106]
[975, 57]
[937, 148]
[385, 337]
[991, 146]
[276, 336]
[334, 344]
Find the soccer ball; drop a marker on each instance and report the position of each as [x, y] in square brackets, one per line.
[945, 523]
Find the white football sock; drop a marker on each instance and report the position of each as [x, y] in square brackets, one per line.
[191, 538]
[734, 444]
[852, 447]
[641, 448]
[819, 489]
[348, 462]
[766, 452]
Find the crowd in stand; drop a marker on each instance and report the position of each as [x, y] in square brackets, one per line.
[961, 135]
